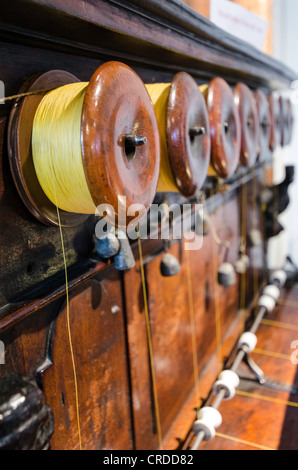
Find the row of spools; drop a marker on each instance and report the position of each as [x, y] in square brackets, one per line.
[128, 139]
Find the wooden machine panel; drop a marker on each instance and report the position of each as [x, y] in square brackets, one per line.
[121, 380]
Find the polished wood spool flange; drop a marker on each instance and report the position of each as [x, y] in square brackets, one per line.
[276, 121]
[291, 120]
[287, 120]
[265, 122]
[20, 151]
[224, 128]
[119, 140]
[249, 120]
[188, 135]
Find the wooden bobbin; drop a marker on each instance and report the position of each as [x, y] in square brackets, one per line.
[291, 119]
[119, 142]
[276, 121]
[287, 120]
[249, 121]
[224, 128]
[188, 135]
[264, 121]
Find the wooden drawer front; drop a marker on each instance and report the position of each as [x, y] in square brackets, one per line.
[98, 338]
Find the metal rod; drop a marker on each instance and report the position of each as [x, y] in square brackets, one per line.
[195, 131]
[259, 318]
[135, 140]
[265, 124]
[226, 126]
[198, 441]
[239, 358]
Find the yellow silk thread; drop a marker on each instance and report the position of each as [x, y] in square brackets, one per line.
[70, 336]
[193, 330]
[254, 210]
[243, 236]
[150, 347]
[56, 149]
[76, 389]
[275, 355]
[287, 303]
[265, 398]
[159, 94]
[204, 91]
[241, 441]
[216, 295]
[282, 325]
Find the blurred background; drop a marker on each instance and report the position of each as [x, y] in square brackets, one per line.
[281, 42]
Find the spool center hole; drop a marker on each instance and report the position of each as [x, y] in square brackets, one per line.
[264, 126]
[192, 138]
[129, 149]
[250, 122]
[31, 268]
[195, 132]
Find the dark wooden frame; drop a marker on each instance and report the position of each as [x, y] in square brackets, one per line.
[157, 39]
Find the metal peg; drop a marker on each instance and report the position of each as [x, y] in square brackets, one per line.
[265, 124]
[226, 275]
[170, 266]
[108, 245]
[124, 260]
[195, 131]
[226, 126]
[135, 140]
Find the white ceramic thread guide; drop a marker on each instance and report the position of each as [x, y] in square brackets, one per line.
[227, 381]
[209, 419]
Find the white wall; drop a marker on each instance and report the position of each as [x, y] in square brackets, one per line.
[286, 50]
[286, 32]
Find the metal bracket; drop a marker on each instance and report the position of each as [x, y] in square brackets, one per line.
[254, 368]
[265, 381]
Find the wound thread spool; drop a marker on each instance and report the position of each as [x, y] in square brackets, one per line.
[184, 134]
[249, 121]
[93, 144]
[287, 118]
[291, 120]
[56, 149]
[159, 94]
[276, 121]
[224, 128]
[264, 123]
